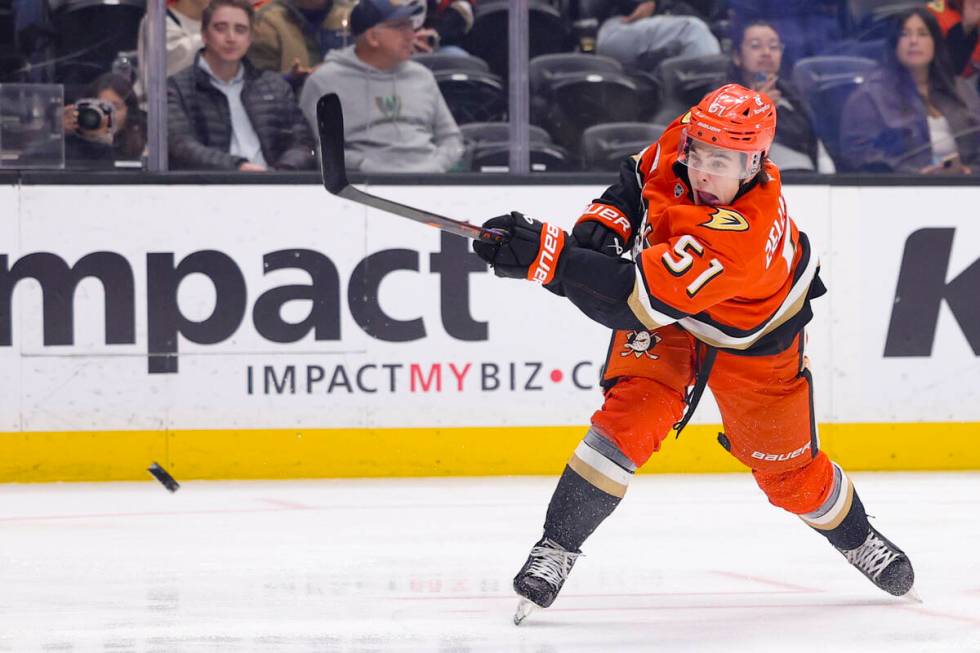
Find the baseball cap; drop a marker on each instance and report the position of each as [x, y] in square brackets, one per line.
[368, 13]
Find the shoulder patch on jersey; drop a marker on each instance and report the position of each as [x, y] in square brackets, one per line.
[726, 220]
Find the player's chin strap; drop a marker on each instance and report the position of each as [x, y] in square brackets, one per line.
[703, 366]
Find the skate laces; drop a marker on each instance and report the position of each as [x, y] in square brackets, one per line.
[551, 562]
[872, 557]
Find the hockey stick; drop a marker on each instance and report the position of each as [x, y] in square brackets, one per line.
[330, 124]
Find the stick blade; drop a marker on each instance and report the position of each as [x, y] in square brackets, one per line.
[330, 124]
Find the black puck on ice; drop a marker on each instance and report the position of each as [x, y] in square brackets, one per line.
[160, 474]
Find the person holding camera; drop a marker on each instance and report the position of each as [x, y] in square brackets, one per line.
[224, 114]
[106, 127]
[395, 118]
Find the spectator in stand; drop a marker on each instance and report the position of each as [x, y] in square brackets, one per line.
[641, 34]
[119, 136]
[224, 114]
[757, 54]
[293, 36]
[958, 19]
[808, 27]
[446, 23]
[912, 115]
[183, 39]
[395, 118]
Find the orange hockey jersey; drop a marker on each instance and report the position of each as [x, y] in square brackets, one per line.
[729, 275]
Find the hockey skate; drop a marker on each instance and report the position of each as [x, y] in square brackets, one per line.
[542, 576]
[883, 563]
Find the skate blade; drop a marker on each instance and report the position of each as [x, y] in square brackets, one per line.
[524, 609]
[912, 596]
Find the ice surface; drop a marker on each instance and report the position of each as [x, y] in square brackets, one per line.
[687, 563]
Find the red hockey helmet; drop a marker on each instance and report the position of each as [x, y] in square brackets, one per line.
[732, 118]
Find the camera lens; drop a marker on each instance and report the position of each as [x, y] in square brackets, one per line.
[89, 118]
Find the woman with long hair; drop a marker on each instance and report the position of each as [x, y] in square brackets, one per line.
[129, 139]
[912, 115]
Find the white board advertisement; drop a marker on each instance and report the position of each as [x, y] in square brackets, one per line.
[158, 307]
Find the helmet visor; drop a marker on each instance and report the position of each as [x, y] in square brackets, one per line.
[719, 161]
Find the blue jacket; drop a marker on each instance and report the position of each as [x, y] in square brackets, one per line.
[884, 128]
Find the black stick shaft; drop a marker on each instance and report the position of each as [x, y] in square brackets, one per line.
[464, 229]
[330, 124]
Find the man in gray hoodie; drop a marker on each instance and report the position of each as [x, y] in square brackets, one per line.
[395, 118]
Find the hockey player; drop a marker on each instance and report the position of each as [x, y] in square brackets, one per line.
[718, 292]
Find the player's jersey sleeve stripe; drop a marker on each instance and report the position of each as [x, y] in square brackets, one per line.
[643, 305]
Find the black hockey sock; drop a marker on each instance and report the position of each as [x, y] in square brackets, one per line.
[851, 532]
[577, 508]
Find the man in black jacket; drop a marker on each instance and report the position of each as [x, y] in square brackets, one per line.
[224, 114]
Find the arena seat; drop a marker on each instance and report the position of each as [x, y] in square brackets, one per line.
[872, 15]
[825, 83]
[483, 133]
[549, 32]
[437, 62]
[473, 96]
[478, 137]
[604, 146]
[571, 92]
[685, 80]
[545, 157]
[543, 70]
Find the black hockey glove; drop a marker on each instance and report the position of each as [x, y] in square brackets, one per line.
[533, 250]
[598, 237]
[603, 228]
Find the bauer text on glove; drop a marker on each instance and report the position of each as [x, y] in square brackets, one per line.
[533, 250]
[603, 228]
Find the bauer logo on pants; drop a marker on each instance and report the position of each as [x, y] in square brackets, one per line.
[758, 455]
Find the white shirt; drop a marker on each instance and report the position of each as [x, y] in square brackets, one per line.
[244, 141]
[941, 136]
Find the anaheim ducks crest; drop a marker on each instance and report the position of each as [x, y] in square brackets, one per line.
[640, 343]
[726, 220]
